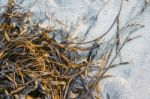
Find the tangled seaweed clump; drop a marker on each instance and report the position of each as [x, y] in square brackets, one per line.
[35, 64]
[32, 62]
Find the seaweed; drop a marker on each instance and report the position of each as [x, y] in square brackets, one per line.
[34, 63]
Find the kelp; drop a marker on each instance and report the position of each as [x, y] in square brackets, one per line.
[35, 64]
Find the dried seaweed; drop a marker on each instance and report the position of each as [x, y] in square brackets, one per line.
[41, 63]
